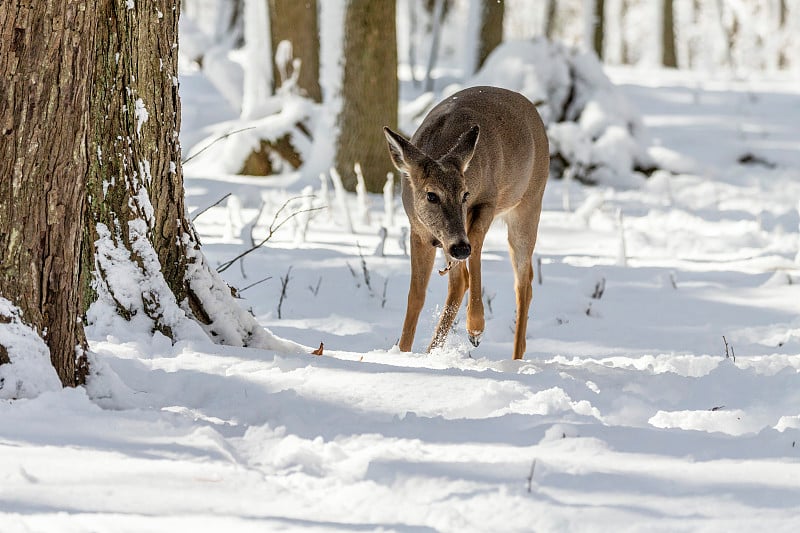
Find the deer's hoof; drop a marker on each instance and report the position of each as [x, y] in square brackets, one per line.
[475, 337]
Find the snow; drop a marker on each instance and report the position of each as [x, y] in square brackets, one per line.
[626, 413]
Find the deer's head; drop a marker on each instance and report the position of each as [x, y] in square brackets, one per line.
[439, 188]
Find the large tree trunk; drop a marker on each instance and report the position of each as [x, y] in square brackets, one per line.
[135, 187]
[296, 21]
[668, 57]
[46, 63]
[491, 29]
[136, 217]
[91, 179]
[369, 92]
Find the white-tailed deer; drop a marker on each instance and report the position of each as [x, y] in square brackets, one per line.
[479, 154]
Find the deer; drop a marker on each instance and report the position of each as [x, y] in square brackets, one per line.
[479, 154]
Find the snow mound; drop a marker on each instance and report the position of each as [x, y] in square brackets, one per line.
[596, 135]
[30, 372]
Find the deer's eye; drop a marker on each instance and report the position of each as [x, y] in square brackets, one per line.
[432, 197]
[464, 199]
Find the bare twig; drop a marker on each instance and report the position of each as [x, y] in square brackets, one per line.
[197, 214]
[315, 290]
[364, 269]
[284, 285]
[539, 269]
[215, 141]
[383, 297]
[729, 354]
[530, 476]
[599, 289]
[273, 228]
[488, 299]
[254, 284]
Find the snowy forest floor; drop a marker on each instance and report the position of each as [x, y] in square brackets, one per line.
[626, 413]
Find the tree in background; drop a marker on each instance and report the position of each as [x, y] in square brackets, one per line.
[369, 92]
[596, 26]
[491, 34]
[668, 57]
[296, 21]
[551, 10]
[94, 207]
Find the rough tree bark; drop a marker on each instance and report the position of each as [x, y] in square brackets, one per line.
[296, 21]
[91, 179]
[134, 185]
[491, 29]
[369, 92]
[46, 62]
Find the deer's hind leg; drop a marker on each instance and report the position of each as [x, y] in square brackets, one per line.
[523, 224]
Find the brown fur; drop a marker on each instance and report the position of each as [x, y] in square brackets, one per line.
[490, 143]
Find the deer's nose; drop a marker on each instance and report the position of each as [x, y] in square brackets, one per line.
[460, 250]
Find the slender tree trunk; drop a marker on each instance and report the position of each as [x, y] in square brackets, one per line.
[783, 61]
[296, 21]
[668, 57]
[596, 28]
[46, 63]
[369, 92]
[550, 19]
[491, 28]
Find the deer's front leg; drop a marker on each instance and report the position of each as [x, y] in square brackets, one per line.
[422, 256]
[480, 218]
[458, 281]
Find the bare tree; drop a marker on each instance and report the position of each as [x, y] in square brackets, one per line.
[596, 26]
[296, 21]
[491, 34]
[550, 19]
[668, 57]
[369, 92]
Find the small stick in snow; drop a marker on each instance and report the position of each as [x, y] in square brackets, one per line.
[731, 354]
[539, 269]
[364, 269]
[599, 289]
[382, 233]
[530, 476]
[383, 297]
[315, 290]
[284, 284]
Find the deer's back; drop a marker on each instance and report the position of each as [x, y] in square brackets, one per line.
[512, 148]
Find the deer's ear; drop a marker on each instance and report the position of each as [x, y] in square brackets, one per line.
[461, 154]
[405, 155]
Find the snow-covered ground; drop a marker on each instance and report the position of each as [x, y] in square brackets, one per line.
[626, 413]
